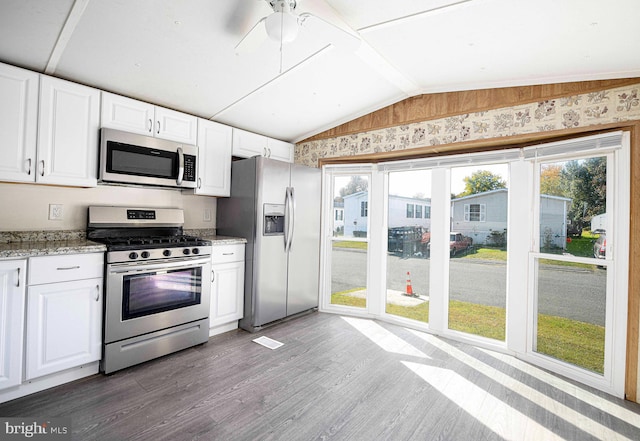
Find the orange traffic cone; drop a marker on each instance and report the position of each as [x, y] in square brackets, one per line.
[409, 291]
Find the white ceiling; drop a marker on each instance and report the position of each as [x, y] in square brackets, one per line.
[180, 53]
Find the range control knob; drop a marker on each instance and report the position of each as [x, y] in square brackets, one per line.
[166, 253]
[195, 251]
[186, 251]
[145, 254]
[133, 256]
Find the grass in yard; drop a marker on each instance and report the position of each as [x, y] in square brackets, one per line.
[344, 298]
[419, 313]
[350, 244]
[487, 254]
[482, 320]
[574, 342]
[580, 246]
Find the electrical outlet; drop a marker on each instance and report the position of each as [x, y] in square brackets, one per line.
[55, 212]
[206, 215]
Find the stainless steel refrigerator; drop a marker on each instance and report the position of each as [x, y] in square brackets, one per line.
[276, 207]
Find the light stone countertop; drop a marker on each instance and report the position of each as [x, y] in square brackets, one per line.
[15, 250]
[224, 240]
[22, 244]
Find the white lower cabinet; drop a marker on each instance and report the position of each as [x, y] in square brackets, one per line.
[12, 297]
[64, 317]
[227, 288]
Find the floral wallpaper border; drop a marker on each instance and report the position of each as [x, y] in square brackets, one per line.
[602, 107]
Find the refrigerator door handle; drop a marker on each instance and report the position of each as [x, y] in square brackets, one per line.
[287, 204]
[292, 222]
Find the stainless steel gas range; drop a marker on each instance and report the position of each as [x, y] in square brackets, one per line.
[157, 284]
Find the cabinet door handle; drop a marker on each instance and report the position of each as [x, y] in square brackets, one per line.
[150, 126]
[265, 152]
[65, 268]
[228, 254]
[269, 152]
[29, 167]
[18, 281]
[42, 167]
[199, 183]
[97, 293]
[213, 276]
[158, 127]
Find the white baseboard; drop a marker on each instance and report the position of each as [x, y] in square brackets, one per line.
[223, 328]
[48, 381]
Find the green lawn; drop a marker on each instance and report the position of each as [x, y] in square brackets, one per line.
[350, 244]
[575, 342]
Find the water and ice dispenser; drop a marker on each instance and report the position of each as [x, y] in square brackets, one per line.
[273, 220]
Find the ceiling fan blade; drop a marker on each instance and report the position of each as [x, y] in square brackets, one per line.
[253, 39]
[333, 34]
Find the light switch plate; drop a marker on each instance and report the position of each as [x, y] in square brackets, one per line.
[206, 216]
[55, 212]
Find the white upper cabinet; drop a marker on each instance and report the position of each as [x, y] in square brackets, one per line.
[248, 144]
[214, 159]
[176, 126]
[68, 127]
[280, 150]
[18, 123]
[129, 115]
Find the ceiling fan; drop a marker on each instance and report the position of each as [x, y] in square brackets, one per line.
[283, 24]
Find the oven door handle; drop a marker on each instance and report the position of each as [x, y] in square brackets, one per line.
[180, 166]
[183, 264]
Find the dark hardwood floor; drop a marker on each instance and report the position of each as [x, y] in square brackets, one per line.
[334, 378]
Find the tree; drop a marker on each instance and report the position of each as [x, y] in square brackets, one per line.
[586, 181]
[356, 184]
[481, 181]
[551, 180]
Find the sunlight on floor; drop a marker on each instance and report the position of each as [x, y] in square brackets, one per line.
[569, 388]
[496, 415]
[537, 397]
[383, 338]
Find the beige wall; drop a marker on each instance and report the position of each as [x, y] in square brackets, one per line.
[25, 207]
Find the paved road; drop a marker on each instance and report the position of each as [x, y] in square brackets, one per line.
[564, 291]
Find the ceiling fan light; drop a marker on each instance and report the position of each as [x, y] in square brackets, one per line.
[282, 26]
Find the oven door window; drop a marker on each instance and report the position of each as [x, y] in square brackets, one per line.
[154, 292]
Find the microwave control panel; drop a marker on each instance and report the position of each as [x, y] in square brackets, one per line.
[189, 168]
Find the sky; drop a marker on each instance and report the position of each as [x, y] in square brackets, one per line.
[410, 183]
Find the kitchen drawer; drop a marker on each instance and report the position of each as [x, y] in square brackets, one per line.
[61, 268]
[227, 253]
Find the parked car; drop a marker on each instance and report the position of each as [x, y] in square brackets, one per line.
[600, 246]
[458, 242]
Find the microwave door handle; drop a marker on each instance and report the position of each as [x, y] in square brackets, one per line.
[180, 166]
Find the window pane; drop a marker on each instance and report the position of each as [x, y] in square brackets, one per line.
[571, 313]
[351, 201]
[478, 250]
[349, 248]
[349, 273]
[573, 206]
[408, 239]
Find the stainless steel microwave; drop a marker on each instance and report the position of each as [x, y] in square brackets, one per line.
[130, 158]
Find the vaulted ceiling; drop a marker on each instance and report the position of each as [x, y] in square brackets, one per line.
[181, 53]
